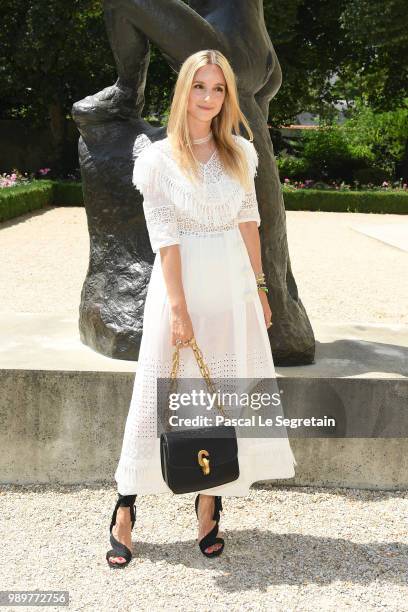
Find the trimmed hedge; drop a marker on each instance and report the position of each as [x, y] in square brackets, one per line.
[19, 200]
[395, 202]
[68, 193]
[15, 201]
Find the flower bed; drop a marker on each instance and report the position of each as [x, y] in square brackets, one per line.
[19, 194]
[289, 185]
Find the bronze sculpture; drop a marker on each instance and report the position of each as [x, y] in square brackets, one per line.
[112, 298]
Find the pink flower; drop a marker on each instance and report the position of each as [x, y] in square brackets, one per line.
[287, 180]
[385, 184]
[44, 171]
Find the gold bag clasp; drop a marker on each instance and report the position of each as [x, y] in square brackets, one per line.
[204, 461]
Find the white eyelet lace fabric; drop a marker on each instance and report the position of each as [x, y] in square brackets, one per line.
[174, 206]
[222, 301]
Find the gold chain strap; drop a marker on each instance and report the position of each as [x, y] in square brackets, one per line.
[203, 369]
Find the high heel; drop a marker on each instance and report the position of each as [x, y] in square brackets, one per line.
[119, 549]
[211, 538]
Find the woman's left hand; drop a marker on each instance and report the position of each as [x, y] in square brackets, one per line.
[266, 308]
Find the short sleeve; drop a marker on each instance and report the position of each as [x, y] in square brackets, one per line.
[159, 210]
[249, 210]
[160, 218]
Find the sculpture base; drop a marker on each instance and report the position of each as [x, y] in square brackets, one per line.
[63, 406]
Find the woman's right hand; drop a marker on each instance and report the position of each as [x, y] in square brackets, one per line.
[181, 326]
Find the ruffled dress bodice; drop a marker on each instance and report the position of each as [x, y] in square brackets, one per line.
[175, 206]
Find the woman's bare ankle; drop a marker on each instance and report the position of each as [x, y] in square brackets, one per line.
[123, 514]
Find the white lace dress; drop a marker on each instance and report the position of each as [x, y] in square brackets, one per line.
[223, 303]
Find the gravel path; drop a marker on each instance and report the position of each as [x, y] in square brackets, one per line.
[342, 275]
[287, 548]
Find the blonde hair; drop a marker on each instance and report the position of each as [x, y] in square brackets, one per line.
[231, 155]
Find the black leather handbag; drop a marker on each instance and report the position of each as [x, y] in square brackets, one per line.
[197, 459]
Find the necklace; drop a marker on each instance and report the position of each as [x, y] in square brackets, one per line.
[202, 140]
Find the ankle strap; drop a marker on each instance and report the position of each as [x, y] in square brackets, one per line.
[126, 500]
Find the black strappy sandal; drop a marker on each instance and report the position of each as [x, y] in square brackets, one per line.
[118, 549]
[211, 538]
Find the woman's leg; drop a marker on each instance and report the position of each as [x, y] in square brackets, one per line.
[122, 530]
[205, 518]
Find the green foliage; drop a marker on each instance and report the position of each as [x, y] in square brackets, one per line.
[368, 147]
[381, 135]
[16, 201]
[376, 33]
[305, 34]
[292, 167]
[347, 201]
[328, 154]
[51, 54]
[159, 87]
[67, 193]
[373, 176]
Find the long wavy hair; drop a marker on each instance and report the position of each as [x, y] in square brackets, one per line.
[223, 125]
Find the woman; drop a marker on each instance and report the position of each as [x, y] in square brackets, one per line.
[202, 217]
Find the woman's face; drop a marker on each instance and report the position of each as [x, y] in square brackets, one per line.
[207, 93]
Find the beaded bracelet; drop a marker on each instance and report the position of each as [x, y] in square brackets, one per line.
[260, 281]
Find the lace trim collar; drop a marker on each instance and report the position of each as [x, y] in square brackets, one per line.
[213, 199]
